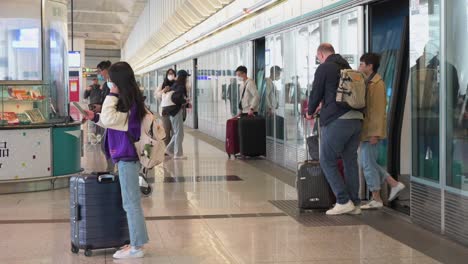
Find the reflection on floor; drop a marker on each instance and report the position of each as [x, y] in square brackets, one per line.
[209, 220]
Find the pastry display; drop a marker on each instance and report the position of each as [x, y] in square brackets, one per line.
[20, 105]
[24, 94]
[35, 116]
[10, 117]
[23, 119]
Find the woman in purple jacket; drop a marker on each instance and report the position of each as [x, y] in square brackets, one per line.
[122, 113]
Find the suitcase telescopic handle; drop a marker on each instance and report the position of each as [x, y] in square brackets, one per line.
[106, 178]
[316, 126]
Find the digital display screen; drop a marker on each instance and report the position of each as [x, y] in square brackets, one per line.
[26, 38]
[74, 59]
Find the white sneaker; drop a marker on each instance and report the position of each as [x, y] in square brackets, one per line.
[129, 253]
[372, 205]
[341, 208]
[395, 191]
[356, 211]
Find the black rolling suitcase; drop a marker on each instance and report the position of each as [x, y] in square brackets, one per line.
[252, 136]
[313, 190]
[98, 219]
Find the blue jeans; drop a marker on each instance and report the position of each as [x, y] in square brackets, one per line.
[374, 174]
[175, 146]
[340, 139]
[128, 177]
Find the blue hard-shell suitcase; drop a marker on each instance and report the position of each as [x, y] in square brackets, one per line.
[98, 219]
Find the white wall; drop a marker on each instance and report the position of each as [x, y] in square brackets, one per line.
[280, 13]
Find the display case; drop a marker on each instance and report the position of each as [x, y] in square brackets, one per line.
[24, 103]
[40, 145]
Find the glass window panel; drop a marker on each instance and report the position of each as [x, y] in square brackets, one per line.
[302, 78]
[350, 32]
[425, 78]
[456, 68]
[331, 32]
[287, 87]
[20, 40]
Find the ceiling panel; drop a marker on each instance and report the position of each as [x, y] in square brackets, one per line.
[104, 22]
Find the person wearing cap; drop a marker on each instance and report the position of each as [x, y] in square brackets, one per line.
[178, 98]
[250, 99]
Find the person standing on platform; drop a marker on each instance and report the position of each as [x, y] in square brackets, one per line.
[178, 99]
[166, 87]
[122, 113]
[250, 99]
[103, 71]
[341, 129]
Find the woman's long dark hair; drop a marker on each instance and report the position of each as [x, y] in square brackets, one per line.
[182, 80]
[121, 74]
[167, 82]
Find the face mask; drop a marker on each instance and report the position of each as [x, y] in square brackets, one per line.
[240, 79]
[110, 85]
[170, 77]
[100, 78]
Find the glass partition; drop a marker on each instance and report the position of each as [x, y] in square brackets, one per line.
[217, 88]
[33, 62]
[425, 83]
[20, 40]
[293, 53]
[150, 100]
[56, 55]
[456, 72]
[24, 103]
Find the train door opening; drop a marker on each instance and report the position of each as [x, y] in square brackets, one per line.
[388, 26]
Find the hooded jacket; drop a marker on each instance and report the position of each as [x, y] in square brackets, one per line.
[117, 144]
[326, 80]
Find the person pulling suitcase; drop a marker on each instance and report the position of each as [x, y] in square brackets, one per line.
[246, 132]
[341, 128]
[122, 113]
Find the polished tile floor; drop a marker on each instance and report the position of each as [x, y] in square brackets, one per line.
[213, 230]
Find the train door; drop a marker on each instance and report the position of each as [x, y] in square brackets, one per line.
[388, 29]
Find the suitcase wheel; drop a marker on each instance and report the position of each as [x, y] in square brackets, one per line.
[146, 190]
[88, 253]
[74, 249]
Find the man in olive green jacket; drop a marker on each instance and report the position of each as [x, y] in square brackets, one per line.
[374, 130]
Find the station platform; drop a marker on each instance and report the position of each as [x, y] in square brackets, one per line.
[208, 209]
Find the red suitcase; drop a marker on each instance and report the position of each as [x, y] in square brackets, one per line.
[232, 136]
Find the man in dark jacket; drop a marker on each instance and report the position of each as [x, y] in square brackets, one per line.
[93, 92]
[340, 131]
[103, 70]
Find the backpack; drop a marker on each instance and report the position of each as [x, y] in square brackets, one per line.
[352, 90]
[150, 148]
